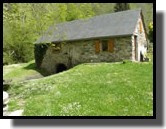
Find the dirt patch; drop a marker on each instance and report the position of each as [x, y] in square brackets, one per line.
[34, 77]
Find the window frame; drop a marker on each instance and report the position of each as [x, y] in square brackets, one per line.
[108, 48]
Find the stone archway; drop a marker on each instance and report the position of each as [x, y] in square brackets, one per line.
[60, 67]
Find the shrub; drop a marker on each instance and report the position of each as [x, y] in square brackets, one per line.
[150, 34]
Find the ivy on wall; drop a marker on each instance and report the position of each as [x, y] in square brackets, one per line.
[39, 51]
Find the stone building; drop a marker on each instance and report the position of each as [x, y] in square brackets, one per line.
[106, 38]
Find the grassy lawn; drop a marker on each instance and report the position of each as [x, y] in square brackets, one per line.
[101, 89]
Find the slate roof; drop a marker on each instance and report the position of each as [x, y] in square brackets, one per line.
[113, 24]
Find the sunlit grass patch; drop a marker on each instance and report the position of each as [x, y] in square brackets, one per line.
[101, 89]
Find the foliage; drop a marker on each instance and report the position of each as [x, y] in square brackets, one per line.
[121, 7]
[23, 23]
[103, 8]
[99, 89]
[150, 34]
[16, 35]
[73, 11]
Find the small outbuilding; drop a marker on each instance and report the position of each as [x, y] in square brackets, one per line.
[105, 38]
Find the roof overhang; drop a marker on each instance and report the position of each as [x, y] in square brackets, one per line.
[91, 38]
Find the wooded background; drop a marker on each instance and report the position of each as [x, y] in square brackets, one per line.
[24, 23]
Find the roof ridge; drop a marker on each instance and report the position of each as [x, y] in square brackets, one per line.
[117, 23]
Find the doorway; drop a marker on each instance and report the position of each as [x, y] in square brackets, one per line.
[135, 47]
[60, 67]
[141, 57]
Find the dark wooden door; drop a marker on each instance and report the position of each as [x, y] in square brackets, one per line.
[136, 47]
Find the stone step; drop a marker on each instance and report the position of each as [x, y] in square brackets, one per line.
[5, 97]
[5, 113]
[5, 108]
[16, 113]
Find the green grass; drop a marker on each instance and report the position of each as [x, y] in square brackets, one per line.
[103, 89]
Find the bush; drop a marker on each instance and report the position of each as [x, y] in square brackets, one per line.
[20, 52]
[150, 34]
[7, 59]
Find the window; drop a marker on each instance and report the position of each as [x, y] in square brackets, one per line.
[104, 45]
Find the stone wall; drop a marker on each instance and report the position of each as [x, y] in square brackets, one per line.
[141, 40]
[74, 53]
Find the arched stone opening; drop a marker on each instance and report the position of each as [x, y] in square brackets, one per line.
[60, 67]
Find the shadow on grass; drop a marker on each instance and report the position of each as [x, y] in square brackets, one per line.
[33, 66]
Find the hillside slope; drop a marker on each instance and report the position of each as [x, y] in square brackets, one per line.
[101, 89]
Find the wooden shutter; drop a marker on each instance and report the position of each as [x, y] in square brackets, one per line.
[140, 26]
[97, 46]
[111, 45]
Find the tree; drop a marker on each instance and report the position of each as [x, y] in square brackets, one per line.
[17, 37]
[121, 7]
[23, 23]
